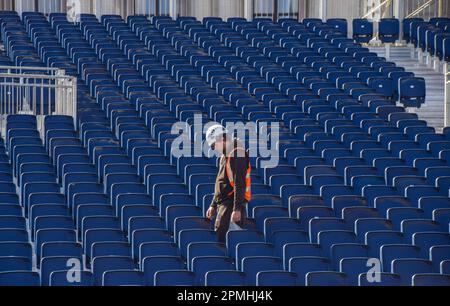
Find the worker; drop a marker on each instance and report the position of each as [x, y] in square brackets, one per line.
[233, 183]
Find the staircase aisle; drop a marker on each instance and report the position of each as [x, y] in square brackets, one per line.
[433, 110]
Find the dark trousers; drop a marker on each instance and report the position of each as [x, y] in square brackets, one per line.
[224, 212]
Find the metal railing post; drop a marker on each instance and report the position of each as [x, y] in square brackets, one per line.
[157, 8]
[323, 9]
[275, 11]
[37, 91]
[302, 8]
[422, 7]
[377, 10]
[249, 9]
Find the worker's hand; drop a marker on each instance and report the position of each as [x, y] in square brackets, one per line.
[211, 213]
[236, 217]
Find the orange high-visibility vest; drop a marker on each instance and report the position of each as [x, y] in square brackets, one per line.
[248, 179]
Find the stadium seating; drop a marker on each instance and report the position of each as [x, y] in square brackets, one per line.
[359, 177]
[430, 36]
[389, 30]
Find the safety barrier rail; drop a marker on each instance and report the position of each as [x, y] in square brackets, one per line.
[36, 91]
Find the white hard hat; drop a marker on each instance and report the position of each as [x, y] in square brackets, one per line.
[214, 132]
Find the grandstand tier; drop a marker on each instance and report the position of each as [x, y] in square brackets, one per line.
[360, 177]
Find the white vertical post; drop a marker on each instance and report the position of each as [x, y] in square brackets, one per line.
[413, 51]
[323, 9]
[248, 9]
[398, 10]
[129, 7]
[420, 55]
[302, 14]
[441, 8]
[375, 14]
[174, 8]
[24, 6]
[87, 6]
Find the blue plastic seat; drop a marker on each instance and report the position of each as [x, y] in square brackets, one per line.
[61, 248]
[379, 279]
[202, 264]
[303, 265]
[235, 237]
[411, 227]
[58, 263]
[248, 249]
[100, 265]
[324, 224]
[353, 267]
[339, 24]
[272, 225]
[224, 278]
[391, 252]
[13, 235]
[185, 221]
[12, 222]
[412, 91]
[100, 235]
[262, 200]
[365, 225]
[352, 214]
[174, 278]
[153, 264]
[19, 279]
[407, 268]
[123, 278]
[445, 267]
[434, 280]
[429, 204]
[427, 240]
[127, 212]
[326, 279]
[113, 248]
[205, 249]
[389, 30]
[315, 209]
[13, 263]
[438, 254]
[276, 278]
[188, 236]
[11, 210]
[362, 30]
[251, 266]
[407, 27]
[340, 251]
[376, 239]
[59, 279]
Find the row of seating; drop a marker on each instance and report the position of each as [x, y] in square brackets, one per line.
[119, 84]
[53, 230]
[431, 36]
[388, 30]
[180, 46]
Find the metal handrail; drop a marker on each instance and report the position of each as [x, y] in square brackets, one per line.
[275, 9]
[421, 8]
[39, 91]
[378, 7]
[22, 68]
